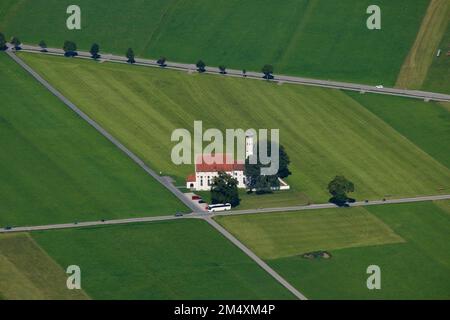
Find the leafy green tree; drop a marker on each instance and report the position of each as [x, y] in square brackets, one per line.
[201, 66]
[224, 189]
[268, 71]
[43, 46]
[252, 174]
[266, 184]
[162, 62]
[257, 182]
[2, 42]
[130, 56]
[339, 188]
[95, 49]
[223, 69]
[285, 161]
[15, 42]
[70, 49]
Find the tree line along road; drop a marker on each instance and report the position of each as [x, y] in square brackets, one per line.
[423, 95]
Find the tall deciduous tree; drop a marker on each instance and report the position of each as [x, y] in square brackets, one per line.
[43, 46]
[285, 161]
[223, 69]
[130, 56]
[162, 62]
[15, 42]
[339, 188]
[225, 190]
[266, 184]
[201, 66]
[2, 42]
[268, 71]
[70, 48]
[95, 49]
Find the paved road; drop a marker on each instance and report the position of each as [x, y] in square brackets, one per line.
[108, 136]
[89, 224]
[330, 205]
[206, 215]
[255, 258]
[428, 96]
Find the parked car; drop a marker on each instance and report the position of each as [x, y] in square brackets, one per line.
[196, 198]
[179, 215]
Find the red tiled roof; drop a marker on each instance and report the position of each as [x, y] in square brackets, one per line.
[217, 162]
[191, 178]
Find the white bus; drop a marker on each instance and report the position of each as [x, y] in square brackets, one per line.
[219, 207]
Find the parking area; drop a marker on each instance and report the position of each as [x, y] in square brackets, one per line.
[194, 198]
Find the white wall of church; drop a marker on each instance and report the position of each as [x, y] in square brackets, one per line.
[204, 180]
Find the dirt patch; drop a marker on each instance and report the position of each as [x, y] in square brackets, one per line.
[317, 255]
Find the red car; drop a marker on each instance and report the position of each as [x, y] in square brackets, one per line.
[196, 198]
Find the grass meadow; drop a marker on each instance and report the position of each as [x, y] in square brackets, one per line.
[410, 243]
[279, 235]
[423, 53]
[318, 38]
[325, 132]
[56, 168]
[27, 272]
[185, 260]
[427, 125]
[438, 77]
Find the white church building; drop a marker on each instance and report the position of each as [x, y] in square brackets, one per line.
[207, 167]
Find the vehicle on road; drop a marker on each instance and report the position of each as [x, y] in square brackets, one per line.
[179, 215]
[380, 86]
[219, 207]
[8, 228]
[196, 198]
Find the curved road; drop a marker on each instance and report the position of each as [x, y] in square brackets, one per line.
[363, 88]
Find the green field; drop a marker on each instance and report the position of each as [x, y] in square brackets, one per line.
[27, 272]
[416, 268]
[278, 235]
[317, 38]
[324, 131]
[170, 260]
[425, 124]
[56, 168]
[438, 78]
[422, 54]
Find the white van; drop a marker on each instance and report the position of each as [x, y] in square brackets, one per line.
[219, 207]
